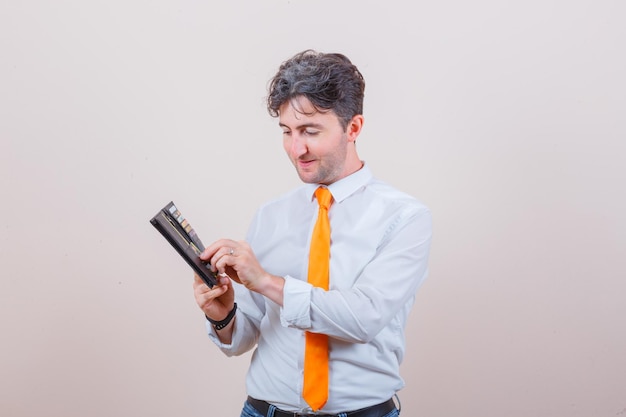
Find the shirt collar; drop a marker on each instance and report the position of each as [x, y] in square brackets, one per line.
[345, 187]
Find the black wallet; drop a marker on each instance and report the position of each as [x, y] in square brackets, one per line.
[176, 229]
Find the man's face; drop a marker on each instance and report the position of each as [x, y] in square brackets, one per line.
[315, 142]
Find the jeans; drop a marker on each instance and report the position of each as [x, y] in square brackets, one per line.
[249, 411]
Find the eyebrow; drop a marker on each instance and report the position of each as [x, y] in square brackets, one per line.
[305, 125]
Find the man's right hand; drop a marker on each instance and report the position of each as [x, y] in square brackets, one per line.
[215, 302]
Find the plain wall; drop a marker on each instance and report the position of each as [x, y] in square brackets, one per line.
[506, 118]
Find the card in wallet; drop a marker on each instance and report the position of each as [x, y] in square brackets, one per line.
[176, 229]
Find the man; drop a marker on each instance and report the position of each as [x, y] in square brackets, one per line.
[379, 245]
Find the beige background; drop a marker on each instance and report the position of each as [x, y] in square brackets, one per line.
[506, 118]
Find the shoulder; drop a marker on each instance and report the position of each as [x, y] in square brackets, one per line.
[380, 191]
[296, 196]
[284, 206]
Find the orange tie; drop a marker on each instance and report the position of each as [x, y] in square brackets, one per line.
[315, 389]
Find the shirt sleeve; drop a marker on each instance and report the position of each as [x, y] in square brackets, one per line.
[385, 286]
[296, 304]
[250, 311]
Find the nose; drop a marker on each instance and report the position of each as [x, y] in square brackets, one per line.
[298, 145]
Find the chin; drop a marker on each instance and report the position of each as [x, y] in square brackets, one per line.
[308, 178]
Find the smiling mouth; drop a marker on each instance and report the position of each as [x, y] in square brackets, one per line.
[305, 163]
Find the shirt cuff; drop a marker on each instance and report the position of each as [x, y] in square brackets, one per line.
[215, 338]
[296, 309]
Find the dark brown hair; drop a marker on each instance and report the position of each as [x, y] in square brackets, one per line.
[329, 81]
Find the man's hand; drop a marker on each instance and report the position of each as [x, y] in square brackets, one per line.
[237, 261]
[215, 302]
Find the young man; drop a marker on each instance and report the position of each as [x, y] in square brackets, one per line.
[333, 346]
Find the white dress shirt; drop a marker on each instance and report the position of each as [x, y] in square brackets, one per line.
[380, 240]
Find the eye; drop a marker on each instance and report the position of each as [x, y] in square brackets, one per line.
[311, 132]
[286, 132]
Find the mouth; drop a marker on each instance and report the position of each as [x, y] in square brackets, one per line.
[305, 164]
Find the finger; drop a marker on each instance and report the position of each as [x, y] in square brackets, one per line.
[214, 247]
[223, 258]
[222, 280]
[198, 283]
[206, 296]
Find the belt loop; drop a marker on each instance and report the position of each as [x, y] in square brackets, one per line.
[342, 415]
[398, 401]
[270, 411]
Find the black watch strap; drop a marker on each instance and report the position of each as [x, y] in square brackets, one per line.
[219, 325]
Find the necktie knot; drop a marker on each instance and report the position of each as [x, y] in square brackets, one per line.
[324, 197]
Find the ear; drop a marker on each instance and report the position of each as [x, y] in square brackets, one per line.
[354, 127]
